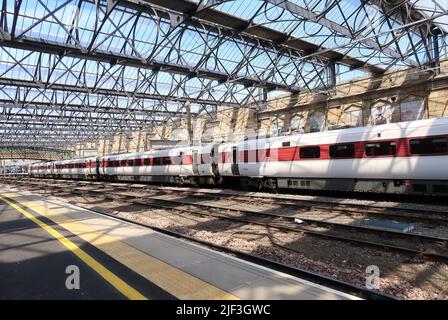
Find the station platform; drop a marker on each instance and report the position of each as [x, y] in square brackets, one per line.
[53, 250]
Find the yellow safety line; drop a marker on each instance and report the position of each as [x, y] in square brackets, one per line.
[110, 277]
[173, 280]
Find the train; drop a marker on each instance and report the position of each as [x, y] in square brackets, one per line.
[399, 158]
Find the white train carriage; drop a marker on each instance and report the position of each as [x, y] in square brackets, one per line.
[178, 165]
[406, 157]
[40, 169]
[84, 168]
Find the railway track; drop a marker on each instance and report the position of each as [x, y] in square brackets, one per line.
[395, 213]
[429, 215]
[429, 247]
[401, 214]
[434, 248]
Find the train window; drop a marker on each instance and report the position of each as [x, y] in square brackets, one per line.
[309, 152]
[381, 148]
[130, 162]
[146, 162]
[342, 151]
[429, 145]
[286, 144]
[166, 160]
[246, 156]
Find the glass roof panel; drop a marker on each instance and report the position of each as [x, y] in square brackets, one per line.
[124, 63]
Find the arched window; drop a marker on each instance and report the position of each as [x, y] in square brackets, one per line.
[381, 113]
[317, 122]
[277, 126]
[412, 109]
[298, 124]
[179, 134]
[353, 117]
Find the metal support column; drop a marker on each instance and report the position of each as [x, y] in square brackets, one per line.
[332, 74]
[436, 49]
[187, 106]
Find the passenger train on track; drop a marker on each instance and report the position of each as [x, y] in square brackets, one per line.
[405, 157]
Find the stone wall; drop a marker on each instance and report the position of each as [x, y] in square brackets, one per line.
[356, 103]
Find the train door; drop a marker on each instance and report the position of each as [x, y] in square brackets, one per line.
[235, 169]
[214, 158]
[97, 168]
[195, 162]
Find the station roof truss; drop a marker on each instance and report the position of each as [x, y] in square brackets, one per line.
[74, 70]
[34, 153]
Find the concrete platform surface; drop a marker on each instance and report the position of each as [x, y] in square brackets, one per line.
[41, 239]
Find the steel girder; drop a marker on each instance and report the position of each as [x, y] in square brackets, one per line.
[355, 24]
[213, 28]
[164, 48]
[249, 29]
[54, 134]
[81, 109]
[15, 152]
[139, 61]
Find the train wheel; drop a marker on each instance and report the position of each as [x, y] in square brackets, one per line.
[270, 184]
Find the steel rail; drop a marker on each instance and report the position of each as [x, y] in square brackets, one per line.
[427, 254]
